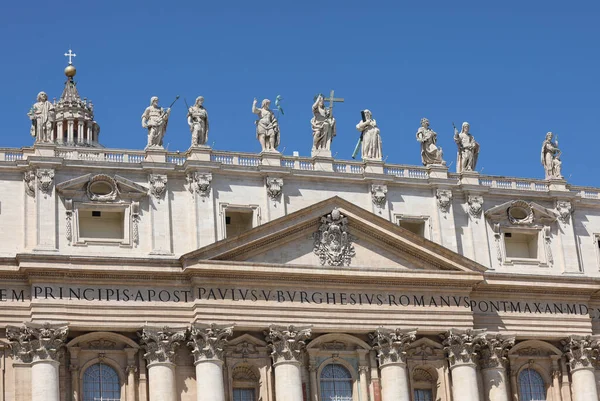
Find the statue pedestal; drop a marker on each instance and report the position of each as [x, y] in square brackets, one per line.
[322, 163]
[557, 184]
[469, 178]
[320, 153]
[156, 155]
[270, 158]
[44, 149]
[438, 171]
[199, 153]
[373, 166]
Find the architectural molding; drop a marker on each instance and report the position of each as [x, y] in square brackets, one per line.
[581, 351]
[161, 343]
[462, 346]
[34, 341]
[208, 341]
[392, 344]
[494, 350]
[287, 343]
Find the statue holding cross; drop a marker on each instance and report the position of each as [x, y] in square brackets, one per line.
[323, 124]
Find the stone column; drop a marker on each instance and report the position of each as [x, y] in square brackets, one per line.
[40, 344]
[131, 370]
[312, 369]
[364, 382]
[391, 345]
[287, 346]
[74, 368]
[579, 351]
[462, 347]
[160, 345]
[494, 359]
[207, 343]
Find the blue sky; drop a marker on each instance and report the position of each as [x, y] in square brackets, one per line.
[513, 69]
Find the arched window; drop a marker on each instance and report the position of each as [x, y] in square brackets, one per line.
[101, 383]
[336, 383]
[532, 386]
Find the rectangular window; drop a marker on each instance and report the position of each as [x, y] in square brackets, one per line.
[423, 395]
[414, 226]
[102, 225]
[238, 221]
[243, 394]
[520, 245]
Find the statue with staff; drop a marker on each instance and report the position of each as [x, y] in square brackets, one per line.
[468, 149]
[323, 124]
[155, 120]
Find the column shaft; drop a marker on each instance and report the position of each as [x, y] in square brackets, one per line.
[75, 384]
[494, 384]
[161, 376]
[394, 382]
[131, 385]
[584, 384]
[364, 385]
[464, 382]
[314, 390]
[288, 381]
[209, 381]
[45, 380]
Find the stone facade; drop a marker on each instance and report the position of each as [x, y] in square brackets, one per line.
[194, 276]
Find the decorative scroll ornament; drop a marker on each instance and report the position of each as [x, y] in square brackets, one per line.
[158, 185]
[69, 219]
[34, 341]
[102, 188]
[199, 183]
[391, 344]
[208, 341]
[274, 188]
[45, 180]
[29, 180]
[564, 209]
[287, 343]
[444, 199]
[581, 350]
[135, 220]
[378, 195]
[494, 350]
[333, 242]
[161, 343]
[475, 205]
[462, 346]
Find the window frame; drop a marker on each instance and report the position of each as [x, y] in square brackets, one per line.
[542, 243]
[344, 363]
[541, 377]
[426, 220]
[125, 208]
[95, 362]
[225, 207]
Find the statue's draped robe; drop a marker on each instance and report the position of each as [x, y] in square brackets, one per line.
[323, 128]
[430, 153]
[156, 120]
[468, 152]
[43, 115]
[268, 126]
[371, 140]
[199, 125]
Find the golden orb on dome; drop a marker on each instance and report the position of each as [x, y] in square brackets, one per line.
[70, 71]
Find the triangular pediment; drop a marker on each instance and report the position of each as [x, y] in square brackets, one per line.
[315, 236]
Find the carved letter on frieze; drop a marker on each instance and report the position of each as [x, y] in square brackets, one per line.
[475, 205]
[287, 343]
[160, 343]
[158, 185]
[444, 199]
[29, 180]
[391, 344]
[199, 183]
[274, 188]
[333, 242]
[208, 341]
[462, 346]
[378, 195]
[35, 341]
[45, 180]
[581, 350]
[494, 350]
[564, 209]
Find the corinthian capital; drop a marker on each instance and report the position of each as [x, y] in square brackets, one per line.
[160, 343]
[35, 341]
[391, 344]
[494, 350]
[581, 351]
[287, 343]
[207, 341]
[462, 345]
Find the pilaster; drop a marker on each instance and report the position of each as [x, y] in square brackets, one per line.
[275, 197]
[445, 218]
[494, 361]
[199, 184]
[160, 203]
[580, 352]
[45, 202]
[462, 347]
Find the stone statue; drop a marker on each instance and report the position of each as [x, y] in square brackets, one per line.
[267, 127]
[430, 152]
[551, 157]
[198, 121]
[42, 119]
[371, 138]
[155, 119]
[323, 126]
[468, 149]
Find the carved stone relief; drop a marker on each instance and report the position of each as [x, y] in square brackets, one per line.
[34, 341]
[135, 221]
[45, 180]
[274, 188]
[494, 350]
[199, 183]
[333, 242]
[580, 350]
[161, 343]
[475, 205]
[379, 195]
[29, 180]
[208, 341]
[69, 220]
[102, 188]
[444, 199]
[391, 344]
[158, 185]
[287, 343]
[462, 346]
[565, 209]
